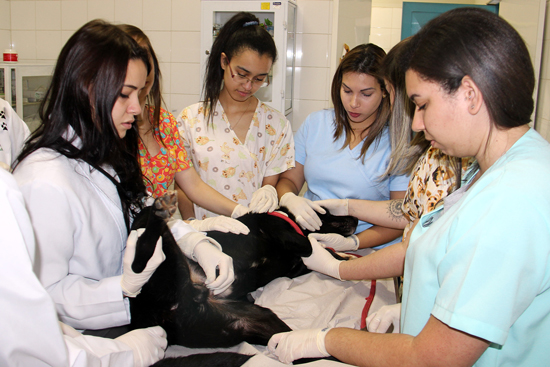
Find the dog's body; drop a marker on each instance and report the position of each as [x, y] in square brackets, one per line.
[176, 299]
[273, 249]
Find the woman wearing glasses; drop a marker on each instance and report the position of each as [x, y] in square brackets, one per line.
[238, 144]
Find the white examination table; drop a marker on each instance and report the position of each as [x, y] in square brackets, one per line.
[310, 301]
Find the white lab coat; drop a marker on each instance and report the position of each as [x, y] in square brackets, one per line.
[13, 133]
[31, 333]
[81, 236]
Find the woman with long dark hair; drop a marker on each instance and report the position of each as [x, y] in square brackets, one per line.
[81, 180]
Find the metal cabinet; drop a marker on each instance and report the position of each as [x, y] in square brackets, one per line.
[280, 20]
[24, 86]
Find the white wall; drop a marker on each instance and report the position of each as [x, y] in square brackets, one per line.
[38, 29]
[386, 32]
[313, 58]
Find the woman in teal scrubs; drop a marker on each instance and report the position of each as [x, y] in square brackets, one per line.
[477, 280]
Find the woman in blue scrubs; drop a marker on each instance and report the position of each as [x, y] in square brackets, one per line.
[477, 281]
[344, 152]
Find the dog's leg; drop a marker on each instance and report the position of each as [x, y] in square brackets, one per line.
[161, 210]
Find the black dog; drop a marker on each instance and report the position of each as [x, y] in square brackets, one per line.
[185, 308]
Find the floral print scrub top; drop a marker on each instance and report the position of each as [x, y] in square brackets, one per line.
[172, 158]
[432, 180]
[236, 169]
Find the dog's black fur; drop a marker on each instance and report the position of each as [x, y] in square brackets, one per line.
[176, 298]
[218, 359]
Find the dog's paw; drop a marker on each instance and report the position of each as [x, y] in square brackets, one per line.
[166, 205]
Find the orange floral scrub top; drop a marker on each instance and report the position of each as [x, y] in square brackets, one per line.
[172, 158]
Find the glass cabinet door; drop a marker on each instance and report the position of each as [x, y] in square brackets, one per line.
[290, 57]
[2, 86]
[25, 86]
[34, 91]
[7, 84]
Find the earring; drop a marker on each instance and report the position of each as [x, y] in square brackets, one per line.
[472, 107]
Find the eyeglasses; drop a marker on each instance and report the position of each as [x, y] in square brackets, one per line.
[241, 79]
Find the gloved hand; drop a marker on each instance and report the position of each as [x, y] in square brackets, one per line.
[239, 211]
[221, 223]
[304, 211]
[337, 242]
[148, 345]
[208, 253]
[335, 206]
[380, 321]
[264, 200]
[289, 346]
[321, 260]
[131, 282]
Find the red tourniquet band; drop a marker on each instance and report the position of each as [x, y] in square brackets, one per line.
[290, 221]
[369, 300]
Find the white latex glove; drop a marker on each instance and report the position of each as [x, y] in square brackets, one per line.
[131, 282]
[304, 210]
[335, 206]
[220, 223]
[321, 260]
[148, 345]
[380, 321]
[264, 200]
[337, 242]
[208, 253]
[239, 211]
[289, 346]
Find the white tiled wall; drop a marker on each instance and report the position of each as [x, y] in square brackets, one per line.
[385, 27]
[313, 55]
[39, 28]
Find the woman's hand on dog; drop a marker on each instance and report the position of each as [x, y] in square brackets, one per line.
[211, 258]
[220, 223]
[321, 260]
[336, 241]
[304, 210]
[335, 206]
[148, 345]
[264, 200]
[208, 253]
[131, 282]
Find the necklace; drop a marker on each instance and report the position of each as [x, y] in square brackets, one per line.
[239, 120]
